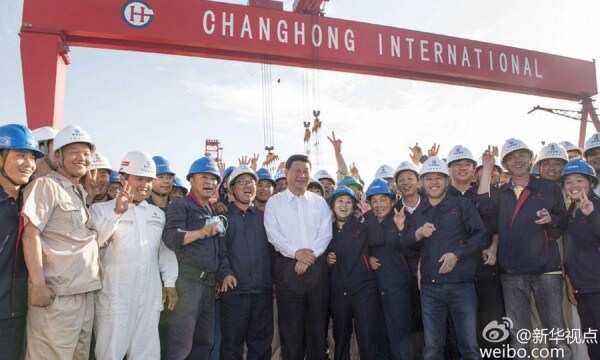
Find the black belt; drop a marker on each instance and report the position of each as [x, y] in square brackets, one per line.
[205, 275]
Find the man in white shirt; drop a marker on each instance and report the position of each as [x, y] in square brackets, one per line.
[299, 226]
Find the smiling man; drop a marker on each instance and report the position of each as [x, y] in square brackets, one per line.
[531, 217]
[298, 225]
[162, 184]
[18, 154]
[193, 238]
[551, 160]
[61, 252]
[247, 303]
[449, 233]
[127, 315]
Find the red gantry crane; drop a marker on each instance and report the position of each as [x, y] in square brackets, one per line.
[302, 37]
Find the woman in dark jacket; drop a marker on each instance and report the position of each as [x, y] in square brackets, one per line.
[353, 288]
[582, 249]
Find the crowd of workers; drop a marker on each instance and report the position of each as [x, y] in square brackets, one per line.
[441, 247]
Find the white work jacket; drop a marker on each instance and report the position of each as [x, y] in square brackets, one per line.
[134, 258]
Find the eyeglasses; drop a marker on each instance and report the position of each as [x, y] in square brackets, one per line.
[245, 182]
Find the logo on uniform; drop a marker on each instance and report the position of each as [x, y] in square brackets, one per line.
[434, 163]
[137, 14]
[4, 141]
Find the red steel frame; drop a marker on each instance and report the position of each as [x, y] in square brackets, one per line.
[299, 38]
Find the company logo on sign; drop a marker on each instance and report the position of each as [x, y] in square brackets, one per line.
[137, 14]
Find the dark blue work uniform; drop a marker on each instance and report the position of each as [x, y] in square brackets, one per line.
[13, 279]
[247, 310]
[524, 246]
[191, 324]
[394, 282]
[353, 291]
[459, 230]
[490, 301]
[582, 264]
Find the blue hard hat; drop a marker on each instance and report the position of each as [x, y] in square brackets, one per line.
[379, 186]
[162, 166]
[204, 165]
[179, 184]
[351, 182]
[342, 190]
[19, 137]
[579, 166]
[115, 177]
[264, 174]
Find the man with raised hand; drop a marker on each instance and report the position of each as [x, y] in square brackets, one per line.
[129, 304]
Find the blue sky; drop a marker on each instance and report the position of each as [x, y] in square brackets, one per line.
[168, 105]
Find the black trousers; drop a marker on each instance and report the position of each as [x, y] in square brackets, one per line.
[12, 333]
[302, 303]
[246, 319]
[588, 307]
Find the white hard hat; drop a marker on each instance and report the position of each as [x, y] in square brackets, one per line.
[280, 174]
[384, 172]
[459, 152]
[553, 151]
[138, 163]
[72, 134]
[240, 170]
[44, 133]
[569, 146]
[511, 145]
[323, 174]
[406, 165]
[100, 161]
[434, 165]
[592, 143]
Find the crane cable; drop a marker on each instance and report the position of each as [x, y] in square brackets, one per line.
[267, 109]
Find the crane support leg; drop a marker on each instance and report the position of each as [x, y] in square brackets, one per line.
[587, 109]
[44, 58]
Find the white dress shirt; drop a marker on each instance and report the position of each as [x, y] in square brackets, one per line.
[298, 222]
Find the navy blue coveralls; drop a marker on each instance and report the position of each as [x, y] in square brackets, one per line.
[191, 324]
[247, 310]
[353, 291]
[394, 282]
[13, 279]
